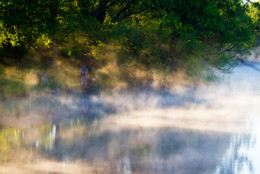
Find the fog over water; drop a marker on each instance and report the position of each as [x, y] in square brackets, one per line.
[207, 129]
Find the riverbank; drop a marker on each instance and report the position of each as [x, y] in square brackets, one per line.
[39, 72]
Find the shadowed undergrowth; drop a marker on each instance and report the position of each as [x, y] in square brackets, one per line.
[40, 72]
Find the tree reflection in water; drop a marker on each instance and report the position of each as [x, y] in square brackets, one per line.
[161, 132]
[237, 159]
[128, 152]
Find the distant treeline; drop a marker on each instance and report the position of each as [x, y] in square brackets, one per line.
[168, 34]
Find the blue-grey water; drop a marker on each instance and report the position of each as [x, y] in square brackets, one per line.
[210, 129]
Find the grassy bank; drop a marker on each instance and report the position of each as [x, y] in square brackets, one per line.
[40, 71]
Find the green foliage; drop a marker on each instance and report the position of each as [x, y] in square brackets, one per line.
[254, 13]
[11, 87]
[156, 32]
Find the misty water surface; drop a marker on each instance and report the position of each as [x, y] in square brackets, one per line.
[186, 130]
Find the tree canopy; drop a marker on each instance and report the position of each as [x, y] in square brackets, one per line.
[167, 33]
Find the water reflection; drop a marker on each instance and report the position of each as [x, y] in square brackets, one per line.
[236, 160]
[82, 142]
[242, 156]
[9, 138]
[130, 151]
[192, 131]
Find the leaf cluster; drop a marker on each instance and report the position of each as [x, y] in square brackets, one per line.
[162, 33]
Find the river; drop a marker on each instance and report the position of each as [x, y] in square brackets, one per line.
[211, 129]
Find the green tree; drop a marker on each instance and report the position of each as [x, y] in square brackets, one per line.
[165, 33]
[254, 12]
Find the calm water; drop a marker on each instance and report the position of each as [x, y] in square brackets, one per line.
[210, 129]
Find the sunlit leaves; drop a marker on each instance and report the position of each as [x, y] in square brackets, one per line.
[151, 28]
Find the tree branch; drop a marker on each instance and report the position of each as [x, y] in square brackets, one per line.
[118, 14]
[121, 11]
[101, 11]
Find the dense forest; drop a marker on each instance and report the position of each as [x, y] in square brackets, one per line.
[167, 35]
